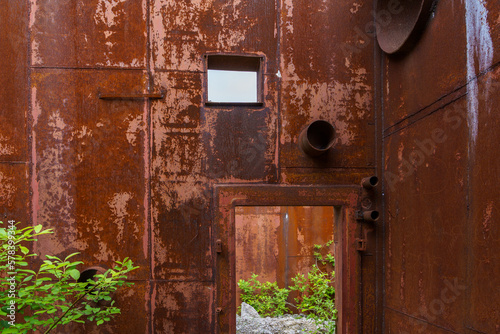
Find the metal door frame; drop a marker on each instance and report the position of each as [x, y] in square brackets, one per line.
[347, 266]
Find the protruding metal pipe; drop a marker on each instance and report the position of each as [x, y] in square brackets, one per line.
[369, 182]
[317, 138]
[371, 216]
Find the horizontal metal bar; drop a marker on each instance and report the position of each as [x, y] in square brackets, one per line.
[153, 96]
[234, 104]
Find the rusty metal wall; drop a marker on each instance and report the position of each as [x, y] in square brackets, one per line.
[128, 176]
[440, 138]
[14, 153]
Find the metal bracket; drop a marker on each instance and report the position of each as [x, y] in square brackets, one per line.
[361, 244]
[218, 246]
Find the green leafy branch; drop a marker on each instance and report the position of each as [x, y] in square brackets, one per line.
[52, 295]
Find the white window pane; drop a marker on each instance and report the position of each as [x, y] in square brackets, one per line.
[232, 86]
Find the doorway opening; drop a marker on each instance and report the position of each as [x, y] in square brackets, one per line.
[277, 243]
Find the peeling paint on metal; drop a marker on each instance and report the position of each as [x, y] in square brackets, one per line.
[355, 7]
[480, 47]
[401, 167]
[118, 206]
[288, 6]
[107, 12]
[35, 200]
[134, 127]
[487, 220]
[147, 180]
[57, 124]
[55, 183]
[5, 147]
[7, 190]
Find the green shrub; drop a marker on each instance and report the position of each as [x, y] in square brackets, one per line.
[51, 296]
[266, 298]
[316, 293]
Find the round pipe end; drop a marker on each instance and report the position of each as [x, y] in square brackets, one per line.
[369, 182]
[317, 138]
[371, 216]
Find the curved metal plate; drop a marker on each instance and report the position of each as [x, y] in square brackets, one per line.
[407, 21]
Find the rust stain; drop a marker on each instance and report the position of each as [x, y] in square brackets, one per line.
[487, 220]
[7, 189]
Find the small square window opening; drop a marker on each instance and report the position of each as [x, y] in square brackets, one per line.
[232, 86]
[233, 80]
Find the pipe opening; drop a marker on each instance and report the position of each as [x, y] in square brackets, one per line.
[371, 216]
[317, 138]
[369, 182]
[87, 275]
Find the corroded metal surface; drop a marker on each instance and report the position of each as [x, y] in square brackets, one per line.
[328, 82]
[441, 175]
[13, 82]
[133, 174]
[14, 170]
[83, 150]
[96, 33]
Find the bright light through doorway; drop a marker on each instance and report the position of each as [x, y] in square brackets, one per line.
[232, 86]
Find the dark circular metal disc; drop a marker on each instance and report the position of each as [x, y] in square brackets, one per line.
[403, 22]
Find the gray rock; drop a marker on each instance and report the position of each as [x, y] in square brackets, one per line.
[251, 323]
[248, 311]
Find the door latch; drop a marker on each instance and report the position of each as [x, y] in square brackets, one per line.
[361, 243]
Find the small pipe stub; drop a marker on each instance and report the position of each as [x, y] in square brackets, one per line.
[369, 182]
[317, 138]
[370, 216]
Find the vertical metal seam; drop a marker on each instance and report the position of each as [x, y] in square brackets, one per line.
[286, 227]
[147, 181]
[468, 222]
[381, 167]
[278, 102]
[382, 201]
[29, 115]
[378, 75]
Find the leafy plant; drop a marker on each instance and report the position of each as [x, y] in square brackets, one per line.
[324, 258]
[266, 298]
[51, 296]
[316, 293]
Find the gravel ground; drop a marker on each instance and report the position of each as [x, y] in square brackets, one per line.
[250, 322]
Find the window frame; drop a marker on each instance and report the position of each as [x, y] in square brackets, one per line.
[235, 62]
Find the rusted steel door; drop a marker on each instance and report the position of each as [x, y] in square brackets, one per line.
[232, 200]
